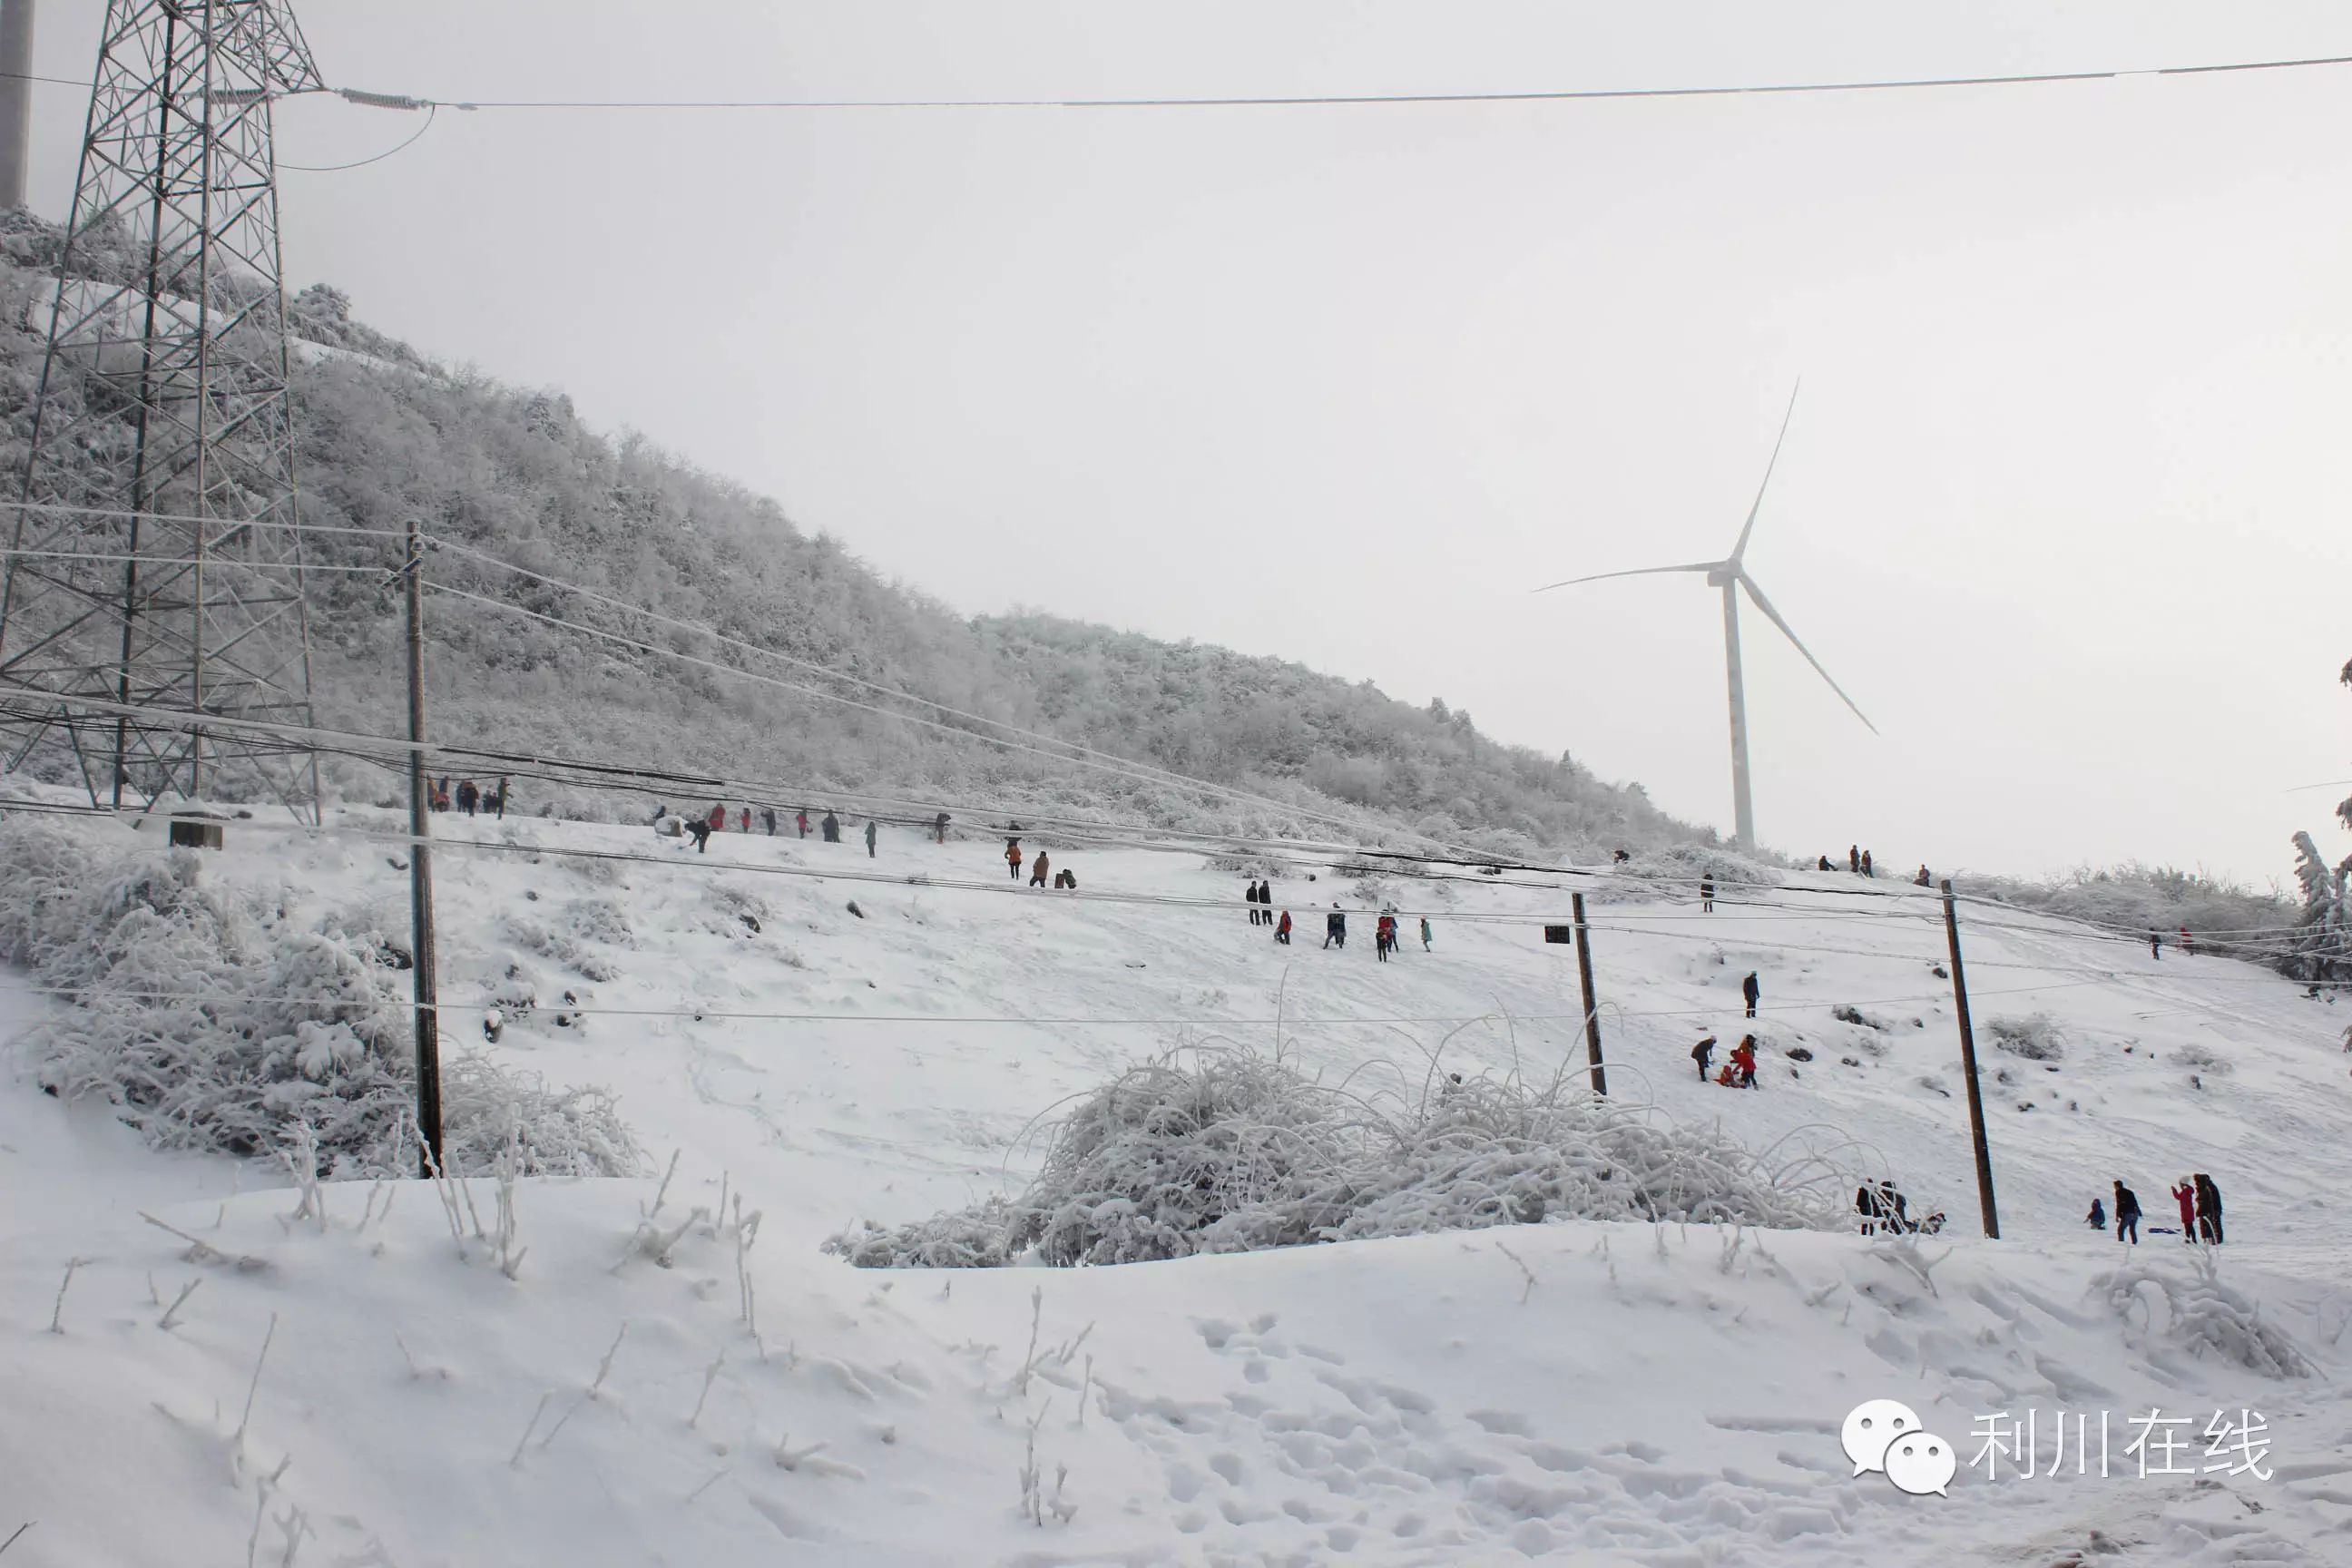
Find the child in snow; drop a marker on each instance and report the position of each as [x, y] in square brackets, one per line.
[2185, 1195]
[1282, 929]
[2098, 1216]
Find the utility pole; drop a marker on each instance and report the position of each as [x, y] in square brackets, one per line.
[1969, 1066]
[15, 100]
[1591, 1013]
[420, 877]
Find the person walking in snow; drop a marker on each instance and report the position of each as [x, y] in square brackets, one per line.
[2155, 945]
[1384, 936]
[1335, 928]
[830, 828]
[1753, 991]
[701, 832]
[2126, 1214]
[717, 820]
[1012, 858]
[469, 797]
[1866, 869]
[502, 802]
[2209, 1208]
[2097, 1219]
[1281, 929]
[2188, 946]
[1706, 893]
[743, 818]
[1249, 895]
[869, 842]
[801, 820]
[2185, 1195]
[1038, 872]
[1426, 936]
[940, 827]
[1854, 858]
[1702, 1053]
[768, 819]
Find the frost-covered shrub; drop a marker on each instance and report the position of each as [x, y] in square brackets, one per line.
[599, 920]
[2036, 1036]
[2202, 1312]
[2202, 1060]
[1234, 1152]
[212, 1023]
[534, 937]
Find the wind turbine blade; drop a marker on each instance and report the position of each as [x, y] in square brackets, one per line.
[1773, 616]
[1637, 571]
[1740, 549]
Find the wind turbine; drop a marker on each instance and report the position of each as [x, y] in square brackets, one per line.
[1731, 576]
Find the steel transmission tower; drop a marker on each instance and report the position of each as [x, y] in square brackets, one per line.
[156, 562]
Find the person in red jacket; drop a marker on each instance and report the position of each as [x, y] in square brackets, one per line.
[2185, 1195]
[1282, 931]
[1743, 1063]
[718, 819]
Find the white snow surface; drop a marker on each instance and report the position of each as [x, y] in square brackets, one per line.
[1572, 1392]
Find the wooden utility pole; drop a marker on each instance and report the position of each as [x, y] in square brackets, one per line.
[1969, 1066]
[1591, 1012]
[420, 877]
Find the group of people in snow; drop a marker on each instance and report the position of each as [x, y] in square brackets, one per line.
[1259, 896]
[469, 797]
[1739, 1071]
[1886, 1211]
[2156, 942]
[1858, 861]
[2201, 1212]
[1066, 880]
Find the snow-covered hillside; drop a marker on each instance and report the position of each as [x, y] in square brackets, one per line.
[1595, 1392]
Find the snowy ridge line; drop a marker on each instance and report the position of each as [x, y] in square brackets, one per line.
[612, 602]
[1131, 771]
[1939, 958]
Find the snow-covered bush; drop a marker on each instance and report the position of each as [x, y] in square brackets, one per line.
[1230, 1152]
[2036, 1036]
[2202, 1312]
[212, 1023]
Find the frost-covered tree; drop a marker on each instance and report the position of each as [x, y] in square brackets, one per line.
[2323, 944]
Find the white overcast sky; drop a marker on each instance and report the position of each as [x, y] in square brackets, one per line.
[2062, 506]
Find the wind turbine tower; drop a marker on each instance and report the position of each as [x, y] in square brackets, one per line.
[1731, 575]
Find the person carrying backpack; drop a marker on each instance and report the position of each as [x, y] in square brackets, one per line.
[2126, 1214]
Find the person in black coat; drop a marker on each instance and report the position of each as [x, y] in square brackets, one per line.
[701, 832]
[468, 796]
[1752, 990]
[830, 828]
[1335, 928]
[2126, 1214]
[1706, 893]
[1702, 1053]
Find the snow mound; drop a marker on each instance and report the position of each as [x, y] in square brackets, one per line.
[2200, 1311]
[1234, 1151]
[214, 1022]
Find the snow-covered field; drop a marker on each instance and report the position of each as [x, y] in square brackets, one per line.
[1581, 1391]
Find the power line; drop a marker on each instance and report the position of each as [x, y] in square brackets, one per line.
[402, 146]
[1371, 99]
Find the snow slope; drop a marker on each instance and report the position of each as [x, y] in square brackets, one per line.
[1575, 1391]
